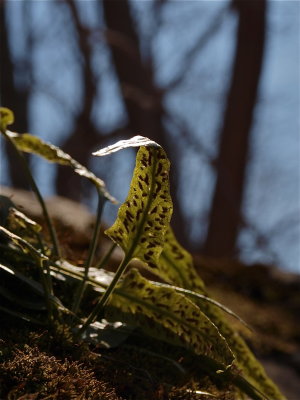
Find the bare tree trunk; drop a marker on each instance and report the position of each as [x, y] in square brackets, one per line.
[81, 141]
[142, 98]
[224, 222]
[13, 97]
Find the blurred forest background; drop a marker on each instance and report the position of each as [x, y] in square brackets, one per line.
[216, 83]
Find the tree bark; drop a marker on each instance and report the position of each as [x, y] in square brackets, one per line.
[224, 221]
[80, 143]
[13, 97]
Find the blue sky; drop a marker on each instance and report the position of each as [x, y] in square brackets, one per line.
[272, 201]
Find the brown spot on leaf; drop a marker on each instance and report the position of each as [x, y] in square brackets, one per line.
[159, 169]
[153, 211]
[138, 213]
[129, 215]
[158, 187]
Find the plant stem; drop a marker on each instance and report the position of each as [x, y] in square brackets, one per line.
[106, 256]
[92, 249]
[40, 242]
[47, 290]
[104, 299]
[35, 189]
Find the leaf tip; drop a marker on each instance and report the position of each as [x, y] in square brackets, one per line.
[6, 117]
[135, 141]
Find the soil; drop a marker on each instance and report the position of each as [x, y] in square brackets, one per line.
[40, 364]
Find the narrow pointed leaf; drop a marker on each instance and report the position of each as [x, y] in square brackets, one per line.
[168, 315]
[5, 205]
[21, 300]
[23, 316]
[33, 144]
[143, 218]
[136, 141]
[201, 297]
[31, 284]
[152, 353]
[6, 118]
[16, 219]
[200, 393]
[22, 243]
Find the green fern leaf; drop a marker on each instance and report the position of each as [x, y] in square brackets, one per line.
[6, 118]
[32, 144]
[17, 220]
[176, 267]
[143, 219]
[167, 315]
[22, 243]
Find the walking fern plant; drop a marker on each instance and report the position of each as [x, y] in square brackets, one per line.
[176, 308]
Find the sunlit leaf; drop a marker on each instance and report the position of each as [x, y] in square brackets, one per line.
[136, 141]
[6, 118]
[143, 218]
[107, 335]
[200, 298]
[209, 365]
[200, 393]
[252, 370]
[137, 305]
[5, 205]
[169, 316]
[22, 243]
[33, 144]
[97, 277]
[100, 278]
[176, 267]
[16, 219]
